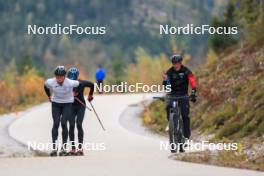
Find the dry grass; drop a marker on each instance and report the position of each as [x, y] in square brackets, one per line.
[21, 92]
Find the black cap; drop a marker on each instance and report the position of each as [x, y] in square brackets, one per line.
[176, 59]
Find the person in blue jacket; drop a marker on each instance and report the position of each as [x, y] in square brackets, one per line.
[100, 76]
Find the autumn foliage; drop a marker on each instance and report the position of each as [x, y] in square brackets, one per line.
[147, 69]
[20, 91]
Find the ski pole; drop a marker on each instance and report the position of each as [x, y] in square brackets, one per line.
[76, 98]
[97, 116]
[91, 110]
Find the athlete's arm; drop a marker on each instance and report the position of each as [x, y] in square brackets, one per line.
[165, 78]
[47, 86]
[192, 80]
[90, 85]
[47, 90]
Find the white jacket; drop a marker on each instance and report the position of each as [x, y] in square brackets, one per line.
[62, 93]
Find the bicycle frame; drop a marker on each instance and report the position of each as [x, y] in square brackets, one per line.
[175, 121]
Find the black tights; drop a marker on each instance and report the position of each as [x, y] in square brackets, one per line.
[60, 115]
[77, 116]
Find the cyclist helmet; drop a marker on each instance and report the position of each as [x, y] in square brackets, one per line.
[60, 71]
[176, 59]
[73, 73]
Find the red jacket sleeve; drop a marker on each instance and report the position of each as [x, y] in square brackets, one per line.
[192, 81]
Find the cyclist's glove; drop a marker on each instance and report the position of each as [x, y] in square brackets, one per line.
[90, 98]
[193, 95]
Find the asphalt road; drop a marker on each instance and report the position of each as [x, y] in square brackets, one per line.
[126, 152]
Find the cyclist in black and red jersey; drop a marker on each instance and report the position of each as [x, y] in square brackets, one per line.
[179, 77]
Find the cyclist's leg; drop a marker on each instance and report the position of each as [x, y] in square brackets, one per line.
[168, 106]
[66, 113]
[100, 85]
[185, 109]
[79, 121]
[56, 115]
[72, 126]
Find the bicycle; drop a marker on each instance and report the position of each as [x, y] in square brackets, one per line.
[176, 137]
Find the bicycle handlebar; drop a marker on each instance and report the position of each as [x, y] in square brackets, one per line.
[171, 98]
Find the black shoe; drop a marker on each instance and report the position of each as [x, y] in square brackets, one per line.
[53, 153]
[80, 152]
[63, 153]
[182, 150]
[173, 151]
[72, 152]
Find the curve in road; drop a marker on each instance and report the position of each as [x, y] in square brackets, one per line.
[126, 153]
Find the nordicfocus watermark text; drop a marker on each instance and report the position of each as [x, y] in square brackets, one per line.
[124, 87]
[199, 146]
[190, 29]
[33, 145]
[59, 29]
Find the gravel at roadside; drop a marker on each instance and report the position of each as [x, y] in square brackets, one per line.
[8, 146]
